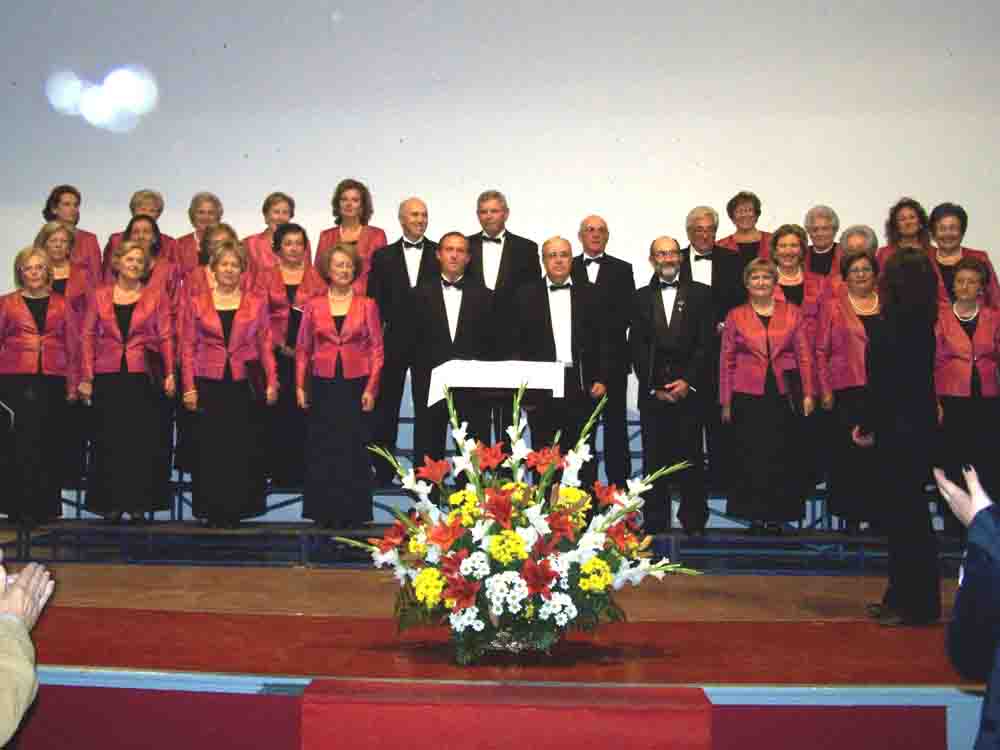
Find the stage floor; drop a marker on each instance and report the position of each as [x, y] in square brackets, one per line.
[733, 630]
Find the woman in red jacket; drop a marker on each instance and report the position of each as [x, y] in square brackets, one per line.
[965, 378]
[127, 364]
[948, 222]
[226, 365]
[204, 211]
[262, 250]
[744, 211]
[339, 355]
[765, 383]
[845, 328]
[63, 204]
[352, 210]
[289, 285]
[37, 377]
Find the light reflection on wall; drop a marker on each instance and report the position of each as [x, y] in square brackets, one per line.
[117, 104]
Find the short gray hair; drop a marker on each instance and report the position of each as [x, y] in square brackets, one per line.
[698, 212]
[492, 195]
[871, 239]
[822, 211]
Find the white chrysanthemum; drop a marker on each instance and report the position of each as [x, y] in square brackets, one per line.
[506, 590]
[559, 607]
[476, 566]
[560, 564]
[385, 558]
[467, 618]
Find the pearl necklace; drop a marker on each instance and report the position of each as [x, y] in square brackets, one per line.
[954, 309]
[861, 310]
[949, 259]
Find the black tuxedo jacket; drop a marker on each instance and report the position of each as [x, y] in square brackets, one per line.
[727, 279]
[531, 337]
[474, 336]
[682, 350]
[519, 264]
[615, 286]
[389, 286]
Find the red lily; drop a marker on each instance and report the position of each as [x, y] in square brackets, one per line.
[462, 591]
[433, 471]
[541, 460]
[446, 534]
[620, 535]
[561, 526]
[490, 458]
[450, 565]
[393, 537]
[543, 547]
[606, 494]
[498, 506]
[539, 577]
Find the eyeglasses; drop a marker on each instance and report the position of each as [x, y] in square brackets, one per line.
[664, 254]
[861, 270]
[35, 267]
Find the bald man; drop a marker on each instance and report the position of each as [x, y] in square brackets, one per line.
[671, 341]
[614, 285]
[397, 270]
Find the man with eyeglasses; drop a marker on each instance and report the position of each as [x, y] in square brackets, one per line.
[614, 286]
[672, 341]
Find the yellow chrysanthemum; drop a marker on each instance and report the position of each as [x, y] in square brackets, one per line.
[507, 546]
[577, 502]
[519, 492]
[595, 575]
[461, 497]
[467, 508]
[417, 547]
[428, 586]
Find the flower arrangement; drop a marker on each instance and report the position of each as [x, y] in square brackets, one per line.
[508, 564]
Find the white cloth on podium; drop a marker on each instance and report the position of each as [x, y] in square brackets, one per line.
[512, 373]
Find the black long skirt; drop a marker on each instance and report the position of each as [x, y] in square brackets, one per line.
[128, 471]
[856, 493]
[338, 488]
[769, 477]
[286, 438]
[31, 452]
[228, 472]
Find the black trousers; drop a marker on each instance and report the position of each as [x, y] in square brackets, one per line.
[671, 433]
[430, 432]
[386, 428]
[617, 461]
[567, 416]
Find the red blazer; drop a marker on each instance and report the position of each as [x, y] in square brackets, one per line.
[204, 351]
[816, 288]
[358, 346]
[730, 243]
[87, 252]
[272, 285]
[841, 345]
[371, 239]
[261, 255]
[743, 361]
[167, 249]
[956, 354]
[21, 343]
[101, 341]
[185, 252]
[990, 295]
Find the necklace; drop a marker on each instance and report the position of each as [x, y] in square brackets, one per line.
[948, 259]
[763, 310]
[350, 293]
[861, 310]
[954, 309]
[790, 279]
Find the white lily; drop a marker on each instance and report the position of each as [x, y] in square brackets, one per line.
[429, 509]
[529, 534]
[419, 487]
[514, 433]
[460, 433]
[461, 464]
[433, 555]
[481, 529]
[637, 486]
[385, 558]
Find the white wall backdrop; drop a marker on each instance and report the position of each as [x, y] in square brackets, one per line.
[636, 111]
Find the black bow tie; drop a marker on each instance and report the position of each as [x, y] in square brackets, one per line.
[419, 245]
[557, 287]
[702, 256]
[668, 284]
[487, 238]
[458, 284]
[588, 261]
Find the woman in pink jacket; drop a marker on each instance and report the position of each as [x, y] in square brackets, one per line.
[352, 210]
[227, 366]
[765, 389]
[37, 377]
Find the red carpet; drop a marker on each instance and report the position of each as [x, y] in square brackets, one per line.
[852, 653]
[389, 716]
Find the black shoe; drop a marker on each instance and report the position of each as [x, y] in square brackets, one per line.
[897, 620]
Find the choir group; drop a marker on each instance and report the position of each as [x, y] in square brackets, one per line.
[271, 361]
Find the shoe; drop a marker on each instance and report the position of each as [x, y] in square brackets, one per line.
[896, 620]
[877, 610]
[694, 532]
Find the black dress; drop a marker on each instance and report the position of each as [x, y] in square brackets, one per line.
[59, 286]
[794, 293]
[748, 250]
[948, 278]
[228, 475]
[769, 482]
[287, 422]
[127, 471]
[821, 263]
[855, 492]
[32, 480]
[338, 491]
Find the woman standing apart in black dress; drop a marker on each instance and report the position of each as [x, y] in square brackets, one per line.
[225, 345]
[339, 356]
[901, 424]
[37, 342]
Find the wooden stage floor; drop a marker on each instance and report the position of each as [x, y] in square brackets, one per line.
[775, 630]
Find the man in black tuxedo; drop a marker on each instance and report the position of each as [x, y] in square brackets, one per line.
[453, 319]
[671, 341]
[397, 270]
[557, 320]
[722, 271]
[501, 261]
[614, 285]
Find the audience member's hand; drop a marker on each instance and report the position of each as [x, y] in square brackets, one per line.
[26, 597]
[965, 505]
[862, 439]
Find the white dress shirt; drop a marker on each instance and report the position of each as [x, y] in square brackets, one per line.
[669, 295]
[701, 270]
[561, 312]
[592, 269]
[452, 305]
[412, 257]
[492, 252]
